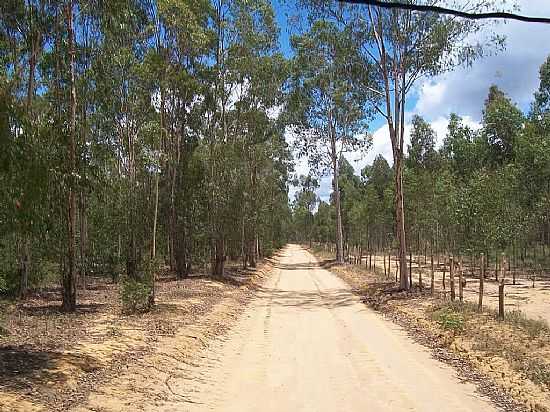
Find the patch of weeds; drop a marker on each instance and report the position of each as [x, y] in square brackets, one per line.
[449, 320]
[533, 327]
[538, 372]
[452, 315]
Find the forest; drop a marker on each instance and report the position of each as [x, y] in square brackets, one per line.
[142, 134]
[137, 134]
[159, 236]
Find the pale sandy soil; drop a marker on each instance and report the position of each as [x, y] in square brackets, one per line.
[52, 361]
[534, 302]
[305, 343]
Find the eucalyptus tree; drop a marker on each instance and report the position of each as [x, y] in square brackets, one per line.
[502, 123]
[405, 46]
[304, 204]
[378, 201]
[260, 72]
[23, 34]
[246, 79]
[420, 174]
[328, 103]
[174, 69]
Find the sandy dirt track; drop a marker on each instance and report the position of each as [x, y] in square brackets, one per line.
[306, 343]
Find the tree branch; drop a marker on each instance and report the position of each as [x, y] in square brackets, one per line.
[453, 12]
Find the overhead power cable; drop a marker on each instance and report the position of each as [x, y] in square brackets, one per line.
[444, 10]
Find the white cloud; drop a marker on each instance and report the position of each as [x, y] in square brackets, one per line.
[431, 95]
[382, 144]
[515, 70]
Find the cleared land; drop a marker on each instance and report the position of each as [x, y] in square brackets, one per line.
[52, 361]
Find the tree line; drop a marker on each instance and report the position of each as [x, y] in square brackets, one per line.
[482, 190]
[141, 133]
[363, 62]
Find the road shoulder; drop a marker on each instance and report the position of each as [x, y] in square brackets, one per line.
[420, 316]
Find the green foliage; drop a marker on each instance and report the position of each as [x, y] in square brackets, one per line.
[136, 296]
[503, 123]
[450, 319]
[422, 152]
[168, 153]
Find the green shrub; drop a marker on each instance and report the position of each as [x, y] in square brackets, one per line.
[268, 251]
[449, 319]
[136, 295]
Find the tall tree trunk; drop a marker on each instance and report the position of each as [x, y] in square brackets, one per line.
[180, 253]
[24, 257]
[400, 224]
[336, 189]
[218, 263]
[83, 239]
[24, 264]
[69, 275]
[252, 246]
[244, 253]
[155, 218]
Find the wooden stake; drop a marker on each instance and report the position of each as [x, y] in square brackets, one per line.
[481, 280]
[496, 266]
[410, 269]
[396, 271]
[502, 266]
[460, 280]
[370, 259]
[501, 300]
[432, 284]
[452, 277]
[444, 273]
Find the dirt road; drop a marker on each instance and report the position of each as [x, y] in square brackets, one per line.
[307, 344]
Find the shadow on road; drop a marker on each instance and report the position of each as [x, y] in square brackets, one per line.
[328, 299]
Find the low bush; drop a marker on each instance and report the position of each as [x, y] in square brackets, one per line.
[450, 320]
[136, 296]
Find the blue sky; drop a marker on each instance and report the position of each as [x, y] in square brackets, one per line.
[515, 70]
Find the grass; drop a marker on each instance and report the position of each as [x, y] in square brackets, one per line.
[533, 327]
[537, 371]
[453, 315]
[449, 320]
[520, 340]
[515, 318]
